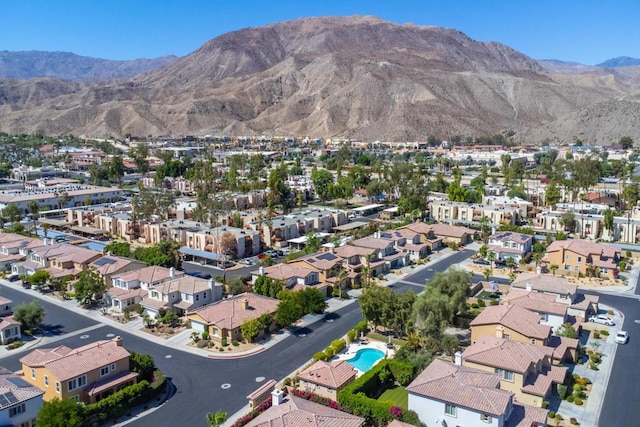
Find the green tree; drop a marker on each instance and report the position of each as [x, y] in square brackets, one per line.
[33, 207]
[626, 142]
[116, 169]
[122, 249]
[216, 419]
[322, 180]
[250, 330]
[288, 312]
[235, 287]
[311, 300]
[567, 330]
[12, 213]
[608, 221]
[552, 194]
[39, 278]
[143, 364]
[568, 221]
[30, 315]
[89, 287]
[443, 297]
[61, 413]
[553, 268]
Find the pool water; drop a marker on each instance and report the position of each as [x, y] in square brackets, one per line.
[365, 359]
[94, 245]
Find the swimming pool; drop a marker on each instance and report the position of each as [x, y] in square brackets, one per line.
[365, 359]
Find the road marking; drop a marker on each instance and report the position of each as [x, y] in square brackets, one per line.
[260, 379]
[329, 320]
[168, 356]
[111, 335]
[225, 386]
[84, 337]
[637, 321]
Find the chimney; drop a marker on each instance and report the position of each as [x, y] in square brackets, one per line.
[212, 284]
[277, 396]
[261, 270]
[172, 272]
[538, 270]
[118, 341]
[245, 304]
[528, 287]
[500, 331]
[458, 358]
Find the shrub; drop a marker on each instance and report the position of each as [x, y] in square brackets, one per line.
[223, 342]
[205, 335]
[328, 352]
[596, 335]
[610, 312]
[581, 381]
[604, 332]
[494, 302]
[235, 343]
[202, 343]
[118, 403]
[586, 380]
[562, 390]
[475, 305]
[570, 398]
[559, 417]
[221, 348]
[577, 401]
[351, 335]
[319, 356]
[338, 346]
[481, 303]
[593, 366]
[573, 421]
[545, 404]
[577, 387]
[287, 382]
[551, 414]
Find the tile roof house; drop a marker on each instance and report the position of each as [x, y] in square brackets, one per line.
[294, 277]
[510, 322]
[327, 264]
[181, 295]
[580, 256]
[580, 305]
[298, 412]
[386, 248]
[447, 394]
[59, 259]
[327, 378]
[354, 258]
[223, 319]
[551, 313]
[10, 329]
[19, 400]
[108, 266]
[14, 247]
[524, 369]
[88, 373]
[507, 244]
[448, 233]
[131, 287]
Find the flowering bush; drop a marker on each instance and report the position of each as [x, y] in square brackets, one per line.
[396, 411]
[307, 395]
[251, 415]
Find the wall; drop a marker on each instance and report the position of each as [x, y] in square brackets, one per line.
[431, 414]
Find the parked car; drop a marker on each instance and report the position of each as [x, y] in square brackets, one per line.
[13, 277]
[602, 319]
[481, 261]
[622, 337]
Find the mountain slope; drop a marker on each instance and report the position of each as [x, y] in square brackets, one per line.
[620, 61]
[356, 77]
[69, 66]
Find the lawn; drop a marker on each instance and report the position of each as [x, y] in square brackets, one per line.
[398, 395]
[385, 339]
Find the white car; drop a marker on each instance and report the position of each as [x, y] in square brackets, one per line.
[622, 337]
[602, 319]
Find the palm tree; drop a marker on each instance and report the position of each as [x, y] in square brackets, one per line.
[487, 273]
[491, 256]
[511, 263]
[553, 268]
[216, 419]
[414, 340]
[33, 207]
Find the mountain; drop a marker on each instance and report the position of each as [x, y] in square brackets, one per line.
[621, 61]
[568, 67]
[354, 77]
[69, 66]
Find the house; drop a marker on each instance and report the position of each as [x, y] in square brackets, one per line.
[108, 266]
[453, 234]
[295, 411]
[328, 266]
[223, 319]
[14, 247]
[508, 244]
[181, 295]
[358, 260]
[129, 288]
[456, 395]
[524, 369]
[326, 379]
[10, 329]
[59, 259]
[86, 374]
[22, 401]
[293, 277]
[551, 313]
[577, 256]
[509, 322]
[580, 305]
[386, 250]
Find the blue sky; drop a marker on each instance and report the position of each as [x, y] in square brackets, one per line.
[585, 31]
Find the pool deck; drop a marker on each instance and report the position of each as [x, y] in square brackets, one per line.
[353, 348]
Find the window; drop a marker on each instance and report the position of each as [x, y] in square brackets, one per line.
[197, 297]
[506, 336]
[576, 268]
[17, 410]
[215, 332]
[544, 317]
[450, 410]
[77, 383]
[579, 259]
[486, 418]
[104, 371]
[566, 257]
[46, 381]
[113, 366]
[533, 341]
[567, 266]
[57, 387]
[505, 375]
[33, 373]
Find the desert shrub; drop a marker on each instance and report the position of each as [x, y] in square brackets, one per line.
[581, 381]
[494, 302]
[610, 312]
[596, 335]
[562, 390]
[559, 417]
[319, 356]
[351, 335]
[545, 404]
[577, 387]
[586, 380]
[573, 421]
[235, 343]
[577, 401]
[551, 414]
[475, 305]
[202, 343]
[329, 352]
[481, 303]
[593, 366]
[287, 382]
[338, 346]
[604, 332]
[570, 398]
[223, 342]
[205, 335]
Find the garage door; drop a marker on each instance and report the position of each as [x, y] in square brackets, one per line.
[197, 326]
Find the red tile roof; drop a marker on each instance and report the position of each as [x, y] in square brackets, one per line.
[506, 354]
[332, 375]
[514, 317]
[230, 313]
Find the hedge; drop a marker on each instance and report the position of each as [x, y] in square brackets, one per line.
[120, 402]
[338, 346]
[355, 397]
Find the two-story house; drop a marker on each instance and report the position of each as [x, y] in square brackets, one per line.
[448, 394]
[294, 277]
[579, 305]
[22, 401]
[386, 250]
[180, 295]
[59, 259]
[109, 266]
[508, 244]
[129, 288]
[14, 247]
[328, 264]
[326, 379]
[10, 329]
[86, 374]
[574, 257]
[524, 369]
[551, 313]
[357, 260]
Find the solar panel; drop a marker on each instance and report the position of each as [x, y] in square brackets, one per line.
[18, 382]
[11, 398]
[311, 260]
[327, 257]
[3, 401]
[103, 261]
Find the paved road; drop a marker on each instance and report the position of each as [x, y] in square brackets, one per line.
[620, 407]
